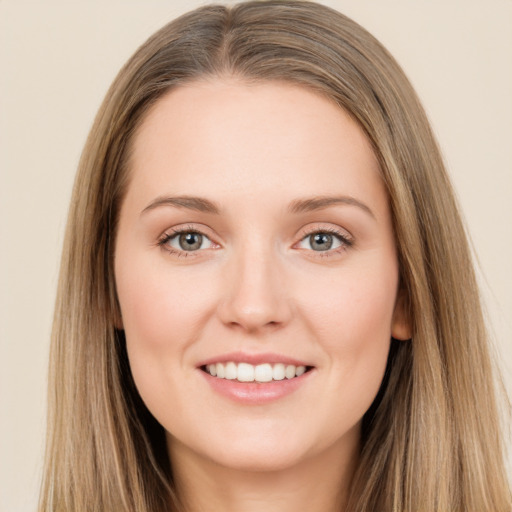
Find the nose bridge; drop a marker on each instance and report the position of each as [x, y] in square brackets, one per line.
[254, 296]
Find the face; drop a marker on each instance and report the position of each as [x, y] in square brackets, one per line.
[256, 272]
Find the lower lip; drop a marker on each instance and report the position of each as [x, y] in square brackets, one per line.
[256, 393]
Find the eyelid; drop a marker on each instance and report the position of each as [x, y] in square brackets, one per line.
[177, 238]
[346, 238]
[175, 231]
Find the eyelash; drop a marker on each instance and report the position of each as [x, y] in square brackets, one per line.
[164, 240]
[346, 241]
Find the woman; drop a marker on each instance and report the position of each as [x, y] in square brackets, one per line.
[266, 297]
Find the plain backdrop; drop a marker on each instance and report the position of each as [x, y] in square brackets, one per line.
[57, 59]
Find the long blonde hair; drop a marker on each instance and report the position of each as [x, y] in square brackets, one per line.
[431, 440]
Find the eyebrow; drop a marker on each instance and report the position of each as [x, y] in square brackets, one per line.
[321, 202]
[191, 203]
[201, 204]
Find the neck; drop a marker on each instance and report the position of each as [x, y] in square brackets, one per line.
[318, 484]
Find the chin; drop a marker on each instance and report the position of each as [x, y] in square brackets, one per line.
[246, 452]
[258, 459]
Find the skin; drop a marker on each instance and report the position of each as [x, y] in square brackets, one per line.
[257, 286]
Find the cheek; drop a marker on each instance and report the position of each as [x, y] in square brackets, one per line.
[158, 306]
[353, 307]
[162, 313]
[352, 322]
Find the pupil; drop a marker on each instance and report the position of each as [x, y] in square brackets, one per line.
[191, 241]
[321, 241]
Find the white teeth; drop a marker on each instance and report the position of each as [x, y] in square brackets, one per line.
[263, 373]
[221, 372]
[245, 372]
[231, 371]
[289, 373]
[300, 370]
[278, 372]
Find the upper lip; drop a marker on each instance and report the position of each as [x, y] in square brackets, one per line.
[254, 359]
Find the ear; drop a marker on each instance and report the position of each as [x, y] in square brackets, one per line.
[401, 321]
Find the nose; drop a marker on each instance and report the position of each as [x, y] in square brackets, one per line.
[255, 297]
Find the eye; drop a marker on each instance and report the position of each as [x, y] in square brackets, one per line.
[323, 241]
[188, 241]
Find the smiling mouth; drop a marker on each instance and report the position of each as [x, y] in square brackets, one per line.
[261, 373]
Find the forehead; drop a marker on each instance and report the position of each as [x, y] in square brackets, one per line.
[226, 137]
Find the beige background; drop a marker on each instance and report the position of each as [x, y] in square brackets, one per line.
[57, 59]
